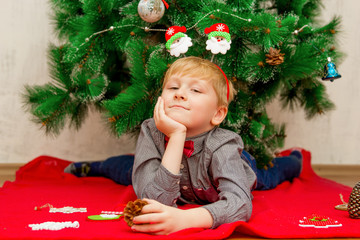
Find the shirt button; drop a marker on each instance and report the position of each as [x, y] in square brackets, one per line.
[181, 166]
[185, 187]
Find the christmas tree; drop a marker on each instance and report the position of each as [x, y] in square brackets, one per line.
[114, 54]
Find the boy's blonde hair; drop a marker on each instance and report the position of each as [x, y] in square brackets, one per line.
[206, 70]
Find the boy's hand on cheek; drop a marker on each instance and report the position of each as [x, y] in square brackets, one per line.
[165, 124]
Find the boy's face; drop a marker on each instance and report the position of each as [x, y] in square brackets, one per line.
[191, 101]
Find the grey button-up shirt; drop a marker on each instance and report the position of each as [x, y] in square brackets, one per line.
[214, 176]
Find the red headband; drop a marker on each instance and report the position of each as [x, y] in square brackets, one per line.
[227, 83]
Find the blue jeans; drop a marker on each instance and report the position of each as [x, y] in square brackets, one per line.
[119, 169]
[284, 169]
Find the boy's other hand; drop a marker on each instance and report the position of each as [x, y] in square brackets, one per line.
[161, 219]
[158, 219]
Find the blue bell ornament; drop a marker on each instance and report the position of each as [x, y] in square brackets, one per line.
[330, 72]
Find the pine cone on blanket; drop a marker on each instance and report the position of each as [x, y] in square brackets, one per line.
[354, 202]
[132, 210]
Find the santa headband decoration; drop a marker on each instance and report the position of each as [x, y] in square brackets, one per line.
[173, 33]
[218, 30]
[219, 40]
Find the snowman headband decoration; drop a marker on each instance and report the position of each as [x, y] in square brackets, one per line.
[219, 40]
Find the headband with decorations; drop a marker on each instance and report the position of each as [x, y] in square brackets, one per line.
[219, 40]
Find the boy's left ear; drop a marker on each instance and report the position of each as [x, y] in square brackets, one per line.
[219, 116]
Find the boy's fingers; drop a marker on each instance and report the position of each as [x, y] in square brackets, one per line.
[156, 109]
[148, 228]
[148, 200]
[152, 207]
[161, 107]
[147, 218]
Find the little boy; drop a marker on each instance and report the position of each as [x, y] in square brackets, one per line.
[182, 156]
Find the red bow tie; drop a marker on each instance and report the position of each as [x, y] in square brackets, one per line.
[188, 147]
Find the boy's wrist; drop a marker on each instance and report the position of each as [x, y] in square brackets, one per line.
[173, 153]
[179, 134]
[198, 218]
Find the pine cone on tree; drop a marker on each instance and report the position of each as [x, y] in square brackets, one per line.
[354, 202]
[274, 57]
[132, 210]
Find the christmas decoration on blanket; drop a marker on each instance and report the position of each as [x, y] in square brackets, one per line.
[66, 209]
[354, 202]
[152, 10]
[318, 221]
[177, 42]
[54, 226]
[106, 215]
[219, 38]
[274, 57]
[343, 206]
[132, 210]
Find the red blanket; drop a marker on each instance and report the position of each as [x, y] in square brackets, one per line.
[277, 213]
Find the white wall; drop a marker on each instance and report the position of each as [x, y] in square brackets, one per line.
[333, 138]
[25, 32]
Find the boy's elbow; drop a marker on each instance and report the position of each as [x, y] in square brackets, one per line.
[249, 207]
[245, 210]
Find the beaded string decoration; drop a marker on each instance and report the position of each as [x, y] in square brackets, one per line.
[111, 213]
[54, 226]
[66, 209]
